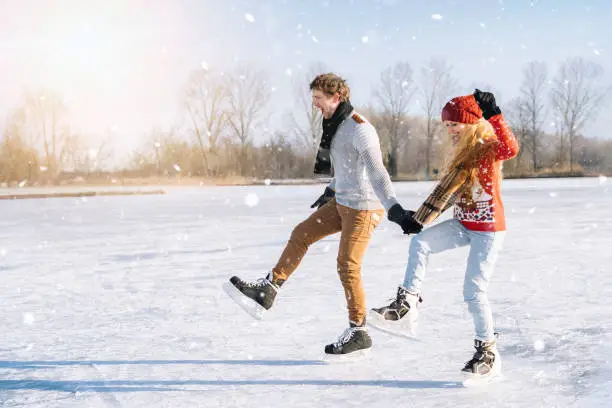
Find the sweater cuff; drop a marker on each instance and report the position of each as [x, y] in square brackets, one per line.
[390, 202]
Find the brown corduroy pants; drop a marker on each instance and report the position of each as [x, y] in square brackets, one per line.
[356, 227]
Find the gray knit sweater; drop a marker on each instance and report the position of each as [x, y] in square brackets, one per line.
[360, 179]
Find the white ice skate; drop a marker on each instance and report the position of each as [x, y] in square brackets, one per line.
[398, 318]
[485, 367]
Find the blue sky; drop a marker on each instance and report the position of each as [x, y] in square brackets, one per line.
[122, 64]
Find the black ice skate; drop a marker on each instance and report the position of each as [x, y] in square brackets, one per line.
[485, 364]
[254, 297]
[353, 344]
[399, 317]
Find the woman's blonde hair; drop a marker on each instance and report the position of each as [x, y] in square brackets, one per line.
[475, 143]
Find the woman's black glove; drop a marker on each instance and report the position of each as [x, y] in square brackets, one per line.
[486, 101]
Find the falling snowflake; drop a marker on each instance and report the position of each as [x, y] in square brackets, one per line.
[28, 318]
[314, 39]
[553, 194]
[2, 252]
[539, 345]
[532, 210]
[602, 179]
[177, 168]
[288, 72]
[22, 183]
[436, 17]
[204, 65]
[364, 39]
[251, 200]
[483, 25]
[249, 17]
[43, 168]
[267, 182]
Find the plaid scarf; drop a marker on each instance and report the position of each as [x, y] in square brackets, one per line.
[442, 197]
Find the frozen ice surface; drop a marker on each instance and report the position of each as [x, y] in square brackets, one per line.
[104, 306]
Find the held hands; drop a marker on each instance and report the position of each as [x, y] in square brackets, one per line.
[486, 101]
[404, 219]
[327, 195]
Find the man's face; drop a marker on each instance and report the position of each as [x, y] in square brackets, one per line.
[325, 103]
[454, 130]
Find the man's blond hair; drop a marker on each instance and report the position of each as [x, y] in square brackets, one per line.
[330, 84]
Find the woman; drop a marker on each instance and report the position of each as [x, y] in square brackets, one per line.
[472, 182]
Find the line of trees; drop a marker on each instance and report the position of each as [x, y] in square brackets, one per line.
[224, 112]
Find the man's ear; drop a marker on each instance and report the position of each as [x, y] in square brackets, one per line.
[336, 97]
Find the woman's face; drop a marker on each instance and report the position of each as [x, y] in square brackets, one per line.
[454, 130]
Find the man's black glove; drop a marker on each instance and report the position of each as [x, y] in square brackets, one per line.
[486, 101]
[405, 219]
[327, 195]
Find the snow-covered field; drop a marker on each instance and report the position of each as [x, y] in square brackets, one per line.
[116, 302]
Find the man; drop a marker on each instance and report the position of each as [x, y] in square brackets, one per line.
[351, 204]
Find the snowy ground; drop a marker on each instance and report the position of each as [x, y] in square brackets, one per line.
[116, 302]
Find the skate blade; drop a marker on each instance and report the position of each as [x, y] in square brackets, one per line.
[248, 305]
[471, 380]
[475, 380]
[405, 329]
[355, 356]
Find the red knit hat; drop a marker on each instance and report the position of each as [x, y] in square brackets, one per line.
[462, 109]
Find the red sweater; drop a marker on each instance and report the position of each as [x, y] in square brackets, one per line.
[485, 210]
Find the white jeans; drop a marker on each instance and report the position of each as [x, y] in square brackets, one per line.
[484, 248]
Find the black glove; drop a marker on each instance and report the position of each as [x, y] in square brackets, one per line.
[327, 195]
[486, 101]
[405, 219]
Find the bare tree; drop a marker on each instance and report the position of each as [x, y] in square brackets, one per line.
[308, 122]
[45, 112]
[519, 117]
[394, 92]
[576, 95]
[206, 105]
[248, 96]
[19, 159]
[533, 94]
[437, 86]
[74, 154]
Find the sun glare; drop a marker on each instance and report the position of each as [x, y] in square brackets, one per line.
[82, 50]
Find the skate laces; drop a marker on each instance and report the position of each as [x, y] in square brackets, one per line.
[260, 283]
[483, 353]
[399, 299]
[346, 336]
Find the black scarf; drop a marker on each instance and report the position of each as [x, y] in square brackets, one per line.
[330, 126]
